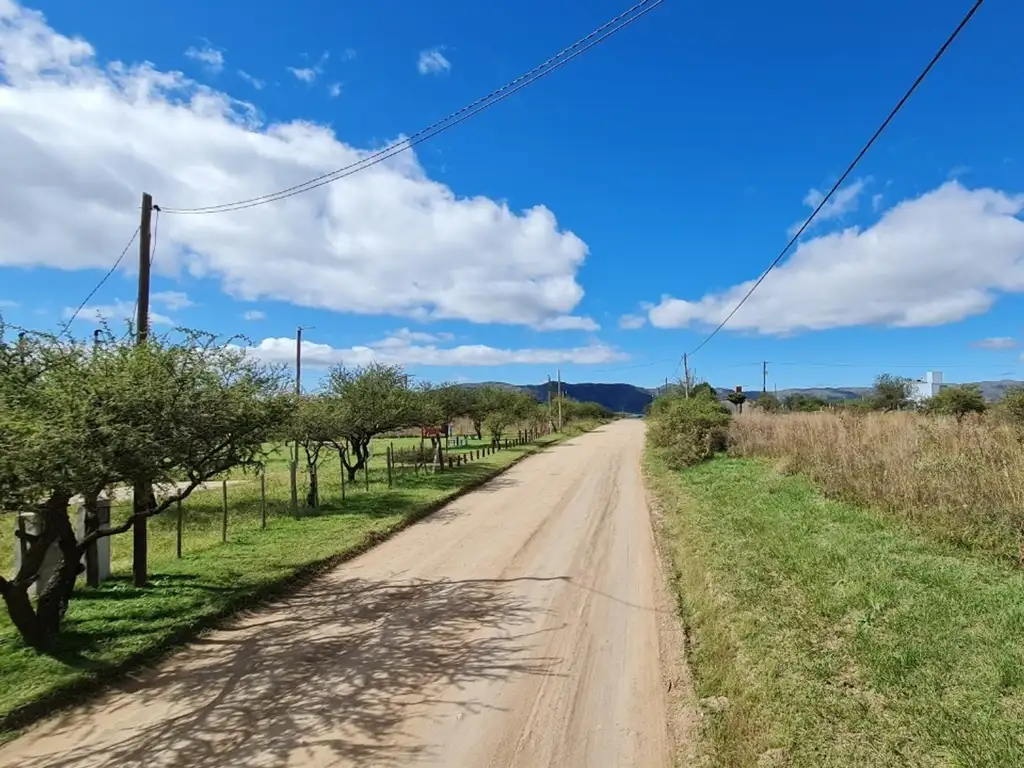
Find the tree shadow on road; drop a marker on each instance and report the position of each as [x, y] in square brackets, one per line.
[329, 676]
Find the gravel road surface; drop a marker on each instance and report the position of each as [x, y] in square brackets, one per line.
[517, 627]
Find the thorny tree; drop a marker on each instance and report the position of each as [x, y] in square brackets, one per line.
[438, 406]
[316, 424]
[171, 413]
[373, 400]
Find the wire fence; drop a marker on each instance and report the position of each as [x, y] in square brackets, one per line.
[245, 504]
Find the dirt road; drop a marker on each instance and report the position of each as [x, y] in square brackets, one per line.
[517, 627]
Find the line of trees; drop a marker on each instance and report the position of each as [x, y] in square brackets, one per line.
[78, 420]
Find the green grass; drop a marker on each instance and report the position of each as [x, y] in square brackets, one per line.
[203, 511]
[824, 635]
[113, 628]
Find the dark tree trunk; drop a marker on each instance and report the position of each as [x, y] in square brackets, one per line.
[478, 427]
[40, 626]
[312, 497]
[361, 450]
[23, 617]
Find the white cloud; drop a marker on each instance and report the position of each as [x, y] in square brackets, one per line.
[253, 81]
[334, 89]
[388, 240]
[844, 201]
[997, 342]
[208, 56]
[935, 259]
[172, 299]
[119, 311]
[305, 74]
[433, 62]
[254, 314]
[567, 323]
[8, 304]
[876, 202]
[632, 322]
[309, 74]
[406, 348]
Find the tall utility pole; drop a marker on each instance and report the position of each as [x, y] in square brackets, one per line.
[298, 393]
[559, 399]
[142, 491]
[764, 377]
[686, 374]
[550, 422]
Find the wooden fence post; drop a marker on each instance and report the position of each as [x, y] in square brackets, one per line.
[388, 455]
[366, 473]
[341, 463]
[314, 480]
[263, 499]
[293, 469]
[224, 524]
[180, 526]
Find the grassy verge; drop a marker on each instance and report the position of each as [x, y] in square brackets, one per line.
[116, 627]
[955, 482]
[823, 634]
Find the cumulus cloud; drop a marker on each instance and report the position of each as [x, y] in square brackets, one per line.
[632, 322]
[997, 342]
[116, 312]
[209, 56]
[567, 323]
[172, 299]
[254, 314]
[844, 201]
[388, 240]
[935, 259]
[433, 62]
[418, 349]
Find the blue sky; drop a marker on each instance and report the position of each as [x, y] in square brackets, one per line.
[678, 154]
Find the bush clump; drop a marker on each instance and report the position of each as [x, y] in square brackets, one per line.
[688, 430]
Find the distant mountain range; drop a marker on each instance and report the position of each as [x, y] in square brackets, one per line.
[621, 398]
[628, 398]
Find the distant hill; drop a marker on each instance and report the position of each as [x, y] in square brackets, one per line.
[990, 390]
[628, 398]
[621, 398]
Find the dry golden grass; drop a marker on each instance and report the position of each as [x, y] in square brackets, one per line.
[962, 483]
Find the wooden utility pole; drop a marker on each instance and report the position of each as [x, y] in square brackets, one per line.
[686, 374]
[143, 491]
[559, 399]
[550, 422]
[298, 393]
[764, 377]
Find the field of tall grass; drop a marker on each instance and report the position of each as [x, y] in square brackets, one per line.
[959, 482]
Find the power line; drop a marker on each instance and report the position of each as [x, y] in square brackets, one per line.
[99, 284]
[560, 59]
[885, 124]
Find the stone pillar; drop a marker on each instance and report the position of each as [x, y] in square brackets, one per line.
[32, 524]
[97, 556]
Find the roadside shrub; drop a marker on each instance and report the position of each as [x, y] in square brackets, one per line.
[688, 430]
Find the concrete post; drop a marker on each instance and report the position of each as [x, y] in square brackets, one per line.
[32, 524]
[97, 555]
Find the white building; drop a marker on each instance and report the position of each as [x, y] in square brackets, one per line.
[928, 386]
